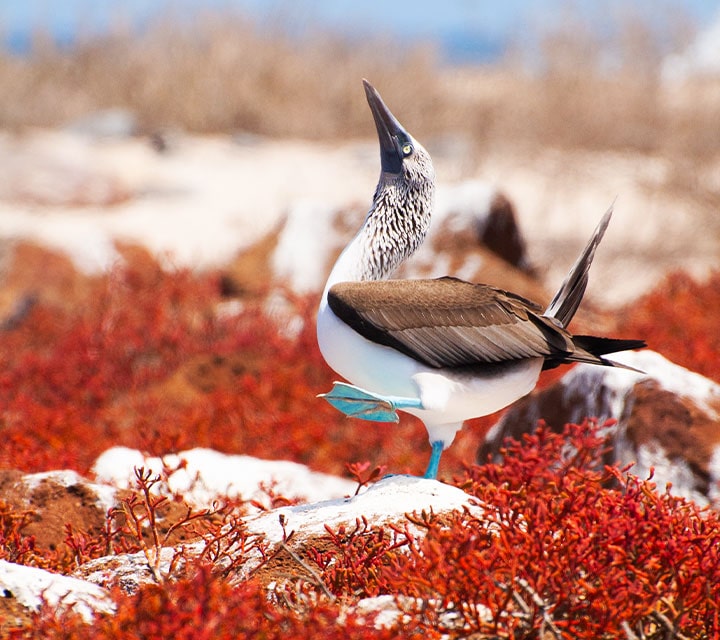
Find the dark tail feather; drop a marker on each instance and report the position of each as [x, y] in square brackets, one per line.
[566, 301]
[602, 346]
[591, 349]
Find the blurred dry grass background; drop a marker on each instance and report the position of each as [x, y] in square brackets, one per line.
[220, 73]
[223, 73]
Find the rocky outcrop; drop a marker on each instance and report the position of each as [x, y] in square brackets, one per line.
[474, 235]
[286, 533]
[53, 500]
[268, 545]
[26, 589]
[668, 419]
[267, 542]
[204, 475]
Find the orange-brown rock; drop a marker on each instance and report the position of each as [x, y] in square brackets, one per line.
[668, 420]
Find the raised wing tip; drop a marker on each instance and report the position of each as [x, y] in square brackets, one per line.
[604, 222]
[567, 299]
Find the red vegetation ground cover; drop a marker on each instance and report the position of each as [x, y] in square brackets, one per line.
[205, 607]
[568, 549]
[679, 318]
[143, 358]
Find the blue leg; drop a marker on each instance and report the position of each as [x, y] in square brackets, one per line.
[432, 470]
[358, 403]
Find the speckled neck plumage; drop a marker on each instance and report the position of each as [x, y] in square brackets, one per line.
[395, 227]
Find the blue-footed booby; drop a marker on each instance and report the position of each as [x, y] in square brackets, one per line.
[444, 350]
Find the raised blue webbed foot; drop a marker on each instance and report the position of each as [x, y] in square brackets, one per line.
[358, 403]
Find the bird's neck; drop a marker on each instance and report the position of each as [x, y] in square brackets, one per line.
[389, 235]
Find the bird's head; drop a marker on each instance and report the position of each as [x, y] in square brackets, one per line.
[399, 217]
[403, 159]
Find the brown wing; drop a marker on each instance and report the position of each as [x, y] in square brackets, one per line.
[448, 322]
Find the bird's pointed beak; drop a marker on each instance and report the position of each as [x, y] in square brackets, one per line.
[388, 130]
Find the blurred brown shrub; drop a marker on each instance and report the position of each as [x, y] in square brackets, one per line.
[223, 73]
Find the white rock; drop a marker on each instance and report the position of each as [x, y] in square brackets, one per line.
[673, 449]
[310, 238]
[202, 475]
[306, 245]
[387, 501]
[384, 608]
[390, 610]
[469, 201]
[670, 376]
[31, 586]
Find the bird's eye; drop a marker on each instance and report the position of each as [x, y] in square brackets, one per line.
[407, 149]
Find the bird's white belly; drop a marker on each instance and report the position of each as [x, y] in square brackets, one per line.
[369, 365]
[452, 396]
[448, 396]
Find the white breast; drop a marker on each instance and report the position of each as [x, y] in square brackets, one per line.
[368, 365]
